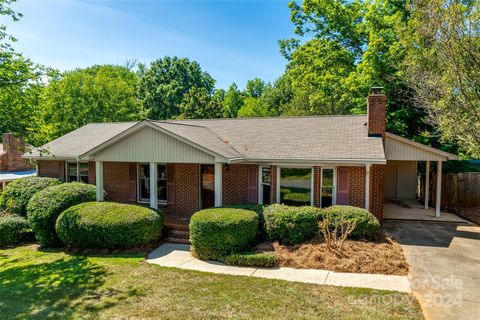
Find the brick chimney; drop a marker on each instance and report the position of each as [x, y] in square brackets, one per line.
[377, 113]
[14, 148]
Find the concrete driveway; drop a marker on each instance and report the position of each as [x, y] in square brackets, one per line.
[444, 263]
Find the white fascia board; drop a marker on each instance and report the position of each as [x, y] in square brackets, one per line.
[306, 162]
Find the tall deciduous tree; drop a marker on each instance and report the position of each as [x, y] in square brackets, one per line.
[366, 30]
[232, 102]
[443, 67]
[165, 83]
[320, 71]
[198, 104]
[101, 93]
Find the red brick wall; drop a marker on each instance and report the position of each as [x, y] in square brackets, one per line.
[235, 184]
[116, 177]
[356, 186]
[317, 171]
[187, 191]
[377, 113]
[51, 169]
[376, 190]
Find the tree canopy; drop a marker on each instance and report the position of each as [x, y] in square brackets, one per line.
[102, 93]
[166, 82]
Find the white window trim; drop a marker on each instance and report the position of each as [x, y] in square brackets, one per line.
[78, 170]
[295, 167]
[161, 202]
[334, 191]
[260, 184]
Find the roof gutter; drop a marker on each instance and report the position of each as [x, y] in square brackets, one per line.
[307, 161]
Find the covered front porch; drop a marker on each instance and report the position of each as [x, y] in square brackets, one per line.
[401, 180]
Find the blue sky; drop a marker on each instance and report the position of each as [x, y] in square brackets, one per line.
[232, 40]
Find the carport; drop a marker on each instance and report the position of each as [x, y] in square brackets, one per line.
[400, 180]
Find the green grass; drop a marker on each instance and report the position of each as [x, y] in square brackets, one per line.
[55, 285]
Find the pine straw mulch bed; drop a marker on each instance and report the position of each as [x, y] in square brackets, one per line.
[383, 255]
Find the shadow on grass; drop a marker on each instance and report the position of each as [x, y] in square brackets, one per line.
[47, 290]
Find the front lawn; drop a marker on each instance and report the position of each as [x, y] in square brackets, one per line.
[53, 284]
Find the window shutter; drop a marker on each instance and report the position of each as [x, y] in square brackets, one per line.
[91, 172]
[132, 182]
[252, 184]
[342, 188]
[171, 183]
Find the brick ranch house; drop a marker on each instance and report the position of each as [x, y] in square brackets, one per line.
[348, 160]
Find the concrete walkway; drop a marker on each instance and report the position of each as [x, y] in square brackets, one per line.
[444, 261]
[179, 256]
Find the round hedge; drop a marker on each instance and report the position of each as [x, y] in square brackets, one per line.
[45, 206]
[291, 225]
[13, 229]
[17, 193]
[366, 223]
[218, 232]
[108, 225]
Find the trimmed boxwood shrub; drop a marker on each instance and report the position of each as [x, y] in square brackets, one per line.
[45, 206]
[218, 232]
[366, 223]
[108, 225]
[291, 225]
[258, 209]
[252, 259]
[16, 195]
[13, 229]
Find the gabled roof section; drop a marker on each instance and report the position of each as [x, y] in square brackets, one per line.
[79, 141]
[399, 148]
[195, 136]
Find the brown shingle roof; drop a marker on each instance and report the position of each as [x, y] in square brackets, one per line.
[327, 138]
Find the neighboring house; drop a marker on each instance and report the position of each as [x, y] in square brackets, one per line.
[203, 163]
[12, 165]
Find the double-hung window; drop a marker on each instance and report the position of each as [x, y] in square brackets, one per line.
[144, 182]
[77, 171]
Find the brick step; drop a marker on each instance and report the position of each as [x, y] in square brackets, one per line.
[178, 234]
[176, 226]
[177, 240]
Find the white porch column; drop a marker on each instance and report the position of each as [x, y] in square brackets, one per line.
[99, 179]
[367, 186]
[427, 183]
[4, 184]
[439, 189]
[153, 186]
[218, 184]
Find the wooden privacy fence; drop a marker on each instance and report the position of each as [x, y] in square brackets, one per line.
[458, 190]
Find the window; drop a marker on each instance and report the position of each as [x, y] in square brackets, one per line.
[144, 183]
[77, 171]
[265, 185]
[295, 186]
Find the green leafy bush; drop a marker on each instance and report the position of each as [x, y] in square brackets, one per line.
[108, 225]
[17, 193]
[366, 223]
[45, 206]
[13, 229]
[218, 232]
[291, 225]
[258, 209]
[252, 259]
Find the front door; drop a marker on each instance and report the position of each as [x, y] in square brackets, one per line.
[328, 187]
[207, 183]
